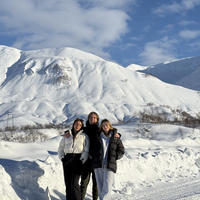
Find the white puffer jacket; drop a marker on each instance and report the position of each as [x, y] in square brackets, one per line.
[80, 144]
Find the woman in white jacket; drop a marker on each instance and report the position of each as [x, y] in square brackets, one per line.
[73, 152]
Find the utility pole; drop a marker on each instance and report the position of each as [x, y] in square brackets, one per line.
[12, 120]
[10, 116]
[7, 119]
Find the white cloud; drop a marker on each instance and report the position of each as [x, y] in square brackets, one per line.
[167, 8]
[87, 25]
[116, 4]
[158, 51]
[195, 45]
[175, 7]
[189, 34]
[147, 28]
[167, 28]
[190, 4]
[187, 22]
[135, 38]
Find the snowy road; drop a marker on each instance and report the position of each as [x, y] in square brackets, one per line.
[189, 190]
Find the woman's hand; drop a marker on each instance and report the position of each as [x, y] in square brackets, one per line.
[84, 157]
[67, 134]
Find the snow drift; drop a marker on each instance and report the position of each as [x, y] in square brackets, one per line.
[163, 168]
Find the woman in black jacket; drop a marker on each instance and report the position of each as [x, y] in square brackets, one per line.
[107, 150]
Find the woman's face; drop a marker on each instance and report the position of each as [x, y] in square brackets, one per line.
[77, 125]
[105, 127]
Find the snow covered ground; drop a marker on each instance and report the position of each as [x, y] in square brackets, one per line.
[165, 167]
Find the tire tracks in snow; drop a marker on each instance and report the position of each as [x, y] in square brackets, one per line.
[189, 190]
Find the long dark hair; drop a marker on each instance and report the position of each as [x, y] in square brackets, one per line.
[80, 120]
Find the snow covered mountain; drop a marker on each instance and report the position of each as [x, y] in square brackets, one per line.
[57, 85]
[184, 72]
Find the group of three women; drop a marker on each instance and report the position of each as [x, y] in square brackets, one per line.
[90, 151]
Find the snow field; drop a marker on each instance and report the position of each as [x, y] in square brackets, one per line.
[150, 169]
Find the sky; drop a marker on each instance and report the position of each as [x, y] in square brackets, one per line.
[126, 32]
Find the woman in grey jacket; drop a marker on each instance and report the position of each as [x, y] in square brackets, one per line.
[107, 150]
[73, 152]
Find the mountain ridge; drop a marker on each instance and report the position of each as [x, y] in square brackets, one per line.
[184, 72]
[57, 85]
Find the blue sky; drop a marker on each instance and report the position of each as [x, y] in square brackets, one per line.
[144, 32]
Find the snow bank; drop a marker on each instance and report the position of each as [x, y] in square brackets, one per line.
[6, 190]
[148, 168]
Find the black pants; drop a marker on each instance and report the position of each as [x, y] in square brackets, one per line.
[85, 178]
[72, 167]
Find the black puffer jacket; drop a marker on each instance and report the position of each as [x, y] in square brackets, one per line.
[115, 152]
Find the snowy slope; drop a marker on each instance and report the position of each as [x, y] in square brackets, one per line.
[8, 56]
[184, 72]
[57, 85]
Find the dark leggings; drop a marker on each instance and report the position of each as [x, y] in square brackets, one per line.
[85, 178]
[72, 167]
